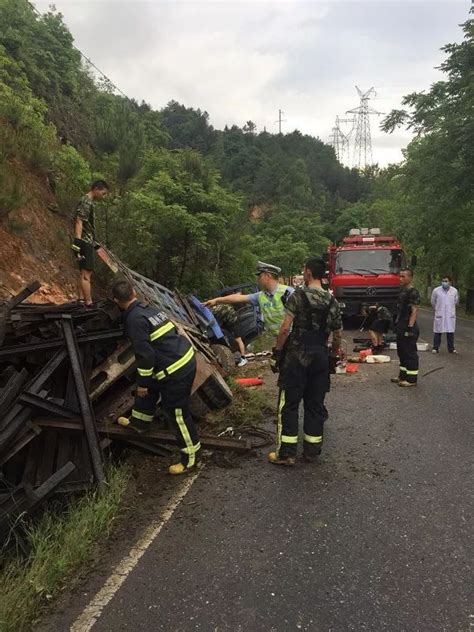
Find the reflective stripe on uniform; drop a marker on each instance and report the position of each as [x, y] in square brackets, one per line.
[142, 416]
[190, 448]
[289, 438]
[411, 372]
[161, 331]
[312, 439]
[402, 368]
[145, 372]
[188, 356]
[281, 403]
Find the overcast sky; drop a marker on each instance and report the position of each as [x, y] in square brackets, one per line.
[245, 60]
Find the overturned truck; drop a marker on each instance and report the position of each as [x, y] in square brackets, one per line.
[66, 374]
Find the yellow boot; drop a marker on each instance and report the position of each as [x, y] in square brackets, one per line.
[405, 384]
[179, 468]
[274, 458]
[135, 424]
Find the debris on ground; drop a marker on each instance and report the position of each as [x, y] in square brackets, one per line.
[66, 374]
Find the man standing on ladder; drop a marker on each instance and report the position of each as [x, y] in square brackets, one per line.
[166, 367]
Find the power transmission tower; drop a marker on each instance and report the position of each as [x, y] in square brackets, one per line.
[363, 138]
[340, 140]
[280, 120]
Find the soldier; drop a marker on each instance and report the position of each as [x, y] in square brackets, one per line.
[84, 237]
[166, 367]
[301, 355]
[407, 331]
[270, 300]
[228, 320]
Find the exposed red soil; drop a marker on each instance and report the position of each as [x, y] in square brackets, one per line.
[35, 245]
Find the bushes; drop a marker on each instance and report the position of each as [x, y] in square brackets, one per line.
[71, 176]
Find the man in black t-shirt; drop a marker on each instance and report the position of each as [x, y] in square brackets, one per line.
[407, 330]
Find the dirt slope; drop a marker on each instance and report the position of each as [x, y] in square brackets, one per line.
[35, 244]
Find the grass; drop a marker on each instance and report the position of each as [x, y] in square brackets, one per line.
[61, 544]
[250, 406]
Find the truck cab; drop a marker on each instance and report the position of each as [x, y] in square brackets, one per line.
[365, 267]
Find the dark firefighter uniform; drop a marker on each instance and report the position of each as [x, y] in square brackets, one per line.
[166, 366]
[407, 336]
[304, 370]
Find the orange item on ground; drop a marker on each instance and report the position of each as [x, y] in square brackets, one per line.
[364, 353]
[352, 368]
[249, 381]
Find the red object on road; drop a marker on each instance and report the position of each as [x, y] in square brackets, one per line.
[364, 353]
[352, 368]
[249, 381]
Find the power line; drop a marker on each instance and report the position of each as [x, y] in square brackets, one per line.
[89, 61]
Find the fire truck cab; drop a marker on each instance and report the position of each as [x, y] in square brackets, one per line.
[365, 268]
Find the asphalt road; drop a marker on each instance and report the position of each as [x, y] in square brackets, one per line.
[375, 537]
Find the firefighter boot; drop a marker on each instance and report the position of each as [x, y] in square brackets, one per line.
[135, 424]
[405, 384]
[276, 459]
[181, 468]
[395, 380]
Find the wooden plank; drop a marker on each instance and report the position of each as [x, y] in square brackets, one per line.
[46, 459]
[85, 404]
[19, 414]
[30, 433]
[12, 389]
[13, 302]
[114, 431]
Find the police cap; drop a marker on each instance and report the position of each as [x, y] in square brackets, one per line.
[268, 267]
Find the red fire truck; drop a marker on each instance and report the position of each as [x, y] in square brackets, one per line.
[365, 268]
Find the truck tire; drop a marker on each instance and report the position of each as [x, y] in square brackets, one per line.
[225, 358]
[214, 392]
[198, 408]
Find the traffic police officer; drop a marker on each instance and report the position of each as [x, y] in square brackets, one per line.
[407, 331]
[270, 299]
[166, 367]
[301, 356]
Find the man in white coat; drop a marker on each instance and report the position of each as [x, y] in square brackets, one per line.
[444, 300]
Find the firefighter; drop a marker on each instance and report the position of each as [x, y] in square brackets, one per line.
[166, 367]
[269, 300]
[407, 331]
[301, 356]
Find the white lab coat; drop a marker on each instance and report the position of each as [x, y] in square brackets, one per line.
[444, 303]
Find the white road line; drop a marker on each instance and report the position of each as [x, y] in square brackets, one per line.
[92, 612]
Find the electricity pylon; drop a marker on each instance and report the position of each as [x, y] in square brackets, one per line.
[363, 138]
[340, 140]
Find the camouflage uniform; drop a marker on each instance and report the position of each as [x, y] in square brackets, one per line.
[304, 370]
[406, 345]
[225, 315]
[85, 212]
[379, 320]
